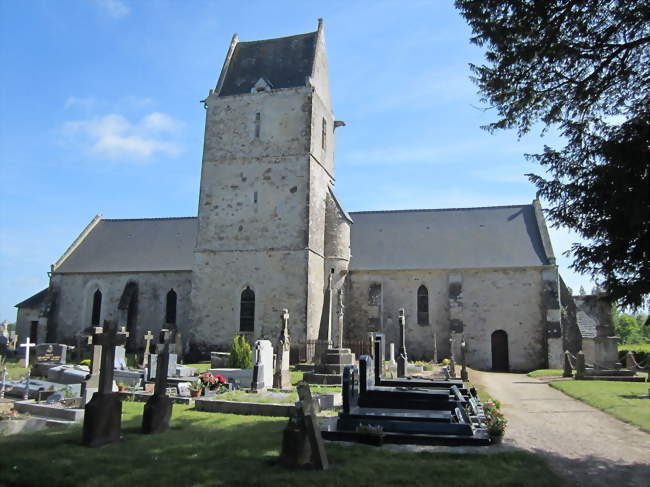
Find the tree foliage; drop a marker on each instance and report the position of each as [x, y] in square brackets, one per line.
[583, 67]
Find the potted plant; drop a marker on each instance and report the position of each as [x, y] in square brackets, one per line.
[496, 421]
[122, 387]
[196, 388]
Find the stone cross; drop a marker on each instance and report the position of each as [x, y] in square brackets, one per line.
[307, 413]
[147, 347]
[108, 339]
[341, 313]
[402, 359]
[463, 357]
[162, 363]
[282, 378]
[27, 345]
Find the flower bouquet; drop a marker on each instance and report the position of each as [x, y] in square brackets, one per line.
[496, 421]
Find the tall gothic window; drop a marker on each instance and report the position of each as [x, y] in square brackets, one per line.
[324, 134]
[423, 305]
[97, 308]
[258, 123]
[247, 310]
[170, 308]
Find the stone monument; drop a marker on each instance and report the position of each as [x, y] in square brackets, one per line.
[158, 409]
[91, 384]
[103, 414]
[147, 347]
[282, 377]
[402, 358]
[263, 365]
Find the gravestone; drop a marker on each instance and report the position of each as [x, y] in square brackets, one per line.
[464, 376]
[91, 384]
[152, 370]
[120, 358]
[103, 414]
[48, 355]
[307, 409]
[147, 348]
[158, 409]
[391, 357]
[282, 377]
[263, 365]
[402, 359]
[184, 389]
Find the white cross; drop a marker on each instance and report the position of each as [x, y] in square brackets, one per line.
[27, 346]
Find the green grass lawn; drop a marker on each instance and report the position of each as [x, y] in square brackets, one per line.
[615, 398]
[14, 371]
[546, 373]
[210, 449]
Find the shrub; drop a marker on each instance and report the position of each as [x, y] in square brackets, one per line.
[241, 354]
[641, 354]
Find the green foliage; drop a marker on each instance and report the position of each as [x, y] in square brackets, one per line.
[241, 354]
[211, 449]
[630, 329]
[85, 362]
[583, 68]
[625, 400]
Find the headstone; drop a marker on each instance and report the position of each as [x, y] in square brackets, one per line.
[463, 357]
[120, 358]
[263, 365]
[91, 384]
[147, 349]
[103, 414]
[567, 372]
[307, 411]
[402, 359]
[51, 352]
[391, 358]
[152, 370]
[158, 409]
[183, 389]
[581, 367]
[282, 377]
[27, 345]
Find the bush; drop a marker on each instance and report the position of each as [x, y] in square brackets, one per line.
[241, 354]
[641, 354]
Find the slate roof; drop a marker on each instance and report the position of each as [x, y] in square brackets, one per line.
[586, 324]
[34, 301]
[285, 62]
[139, 245]
[455, 238]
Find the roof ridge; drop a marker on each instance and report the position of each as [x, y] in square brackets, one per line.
[439, 209]
[278, 38]
[153, 218]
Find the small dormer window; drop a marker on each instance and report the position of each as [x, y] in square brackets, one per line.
[261, 85]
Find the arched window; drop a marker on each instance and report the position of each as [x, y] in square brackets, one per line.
[170, 308]
[247, 310]
[97, 308]
[423, 306]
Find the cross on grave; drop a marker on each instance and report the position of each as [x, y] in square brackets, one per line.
[147, 346]
[103, 414]
[27, 345]
[463, 358]
[402, 358]
[158, 409]
[282, 378]
[307, 414]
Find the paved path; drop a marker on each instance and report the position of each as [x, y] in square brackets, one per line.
[584, 445]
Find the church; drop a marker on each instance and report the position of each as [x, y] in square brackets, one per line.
[270, 233]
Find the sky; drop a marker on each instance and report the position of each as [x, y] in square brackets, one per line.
[100, 113]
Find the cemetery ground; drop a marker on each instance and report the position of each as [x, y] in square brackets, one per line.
[211, 449]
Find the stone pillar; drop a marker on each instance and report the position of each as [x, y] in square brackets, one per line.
[402, 359]
[629, 360]
[282, 377]
[580, 365]
[568, 372]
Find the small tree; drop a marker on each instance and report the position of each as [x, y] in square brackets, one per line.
[241, 354]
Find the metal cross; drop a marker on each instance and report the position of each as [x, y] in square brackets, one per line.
[27, 346]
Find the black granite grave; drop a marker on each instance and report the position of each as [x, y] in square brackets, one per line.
[158, 409]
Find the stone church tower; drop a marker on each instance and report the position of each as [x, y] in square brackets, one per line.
[269, 227]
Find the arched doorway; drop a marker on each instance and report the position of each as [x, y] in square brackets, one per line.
[500, 359]
[128, 307]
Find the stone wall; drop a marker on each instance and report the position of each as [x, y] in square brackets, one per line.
[483, 301]
[24, 319]
[73, 309]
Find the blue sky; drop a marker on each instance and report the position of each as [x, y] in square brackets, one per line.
[100, 113]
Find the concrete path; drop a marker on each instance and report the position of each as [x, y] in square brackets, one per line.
[582, 444]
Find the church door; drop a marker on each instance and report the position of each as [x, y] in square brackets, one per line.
[500, 351]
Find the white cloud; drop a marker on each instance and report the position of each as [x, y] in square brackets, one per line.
[85, 103]
[114, 8]
[113, 136]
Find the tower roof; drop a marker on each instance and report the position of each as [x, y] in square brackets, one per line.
[285, 62]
